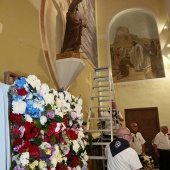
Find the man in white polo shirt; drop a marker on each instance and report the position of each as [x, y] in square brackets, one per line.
[119, 154]
[138, 142]
[162, 148]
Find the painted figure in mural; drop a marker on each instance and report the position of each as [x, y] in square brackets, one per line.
[124, 67]
[73, 32]
[146, 58]
[156, 60]
[136, 55]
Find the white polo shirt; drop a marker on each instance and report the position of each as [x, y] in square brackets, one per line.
[125, 160]
[138, 142]
[162, 141]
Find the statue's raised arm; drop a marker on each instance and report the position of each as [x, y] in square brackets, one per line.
[73, 32]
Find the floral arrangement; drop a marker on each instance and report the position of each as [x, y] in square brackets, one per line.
[47, 128]
[147, 162]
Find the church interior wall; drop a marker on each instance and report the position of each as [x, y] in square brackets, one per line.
[143, 93]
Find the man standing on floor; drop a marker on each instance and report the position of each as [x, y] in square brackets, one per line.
[119, 154]
[162, 148]
[138, 142]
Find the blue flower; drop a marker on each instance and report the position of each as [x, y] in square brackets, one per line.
[20, 82]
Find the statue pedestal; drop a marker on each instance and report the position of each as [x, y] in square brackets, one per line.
[68, 55]
[68, 67]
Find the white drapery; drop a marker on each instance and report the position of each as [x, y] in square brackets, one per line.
[5, 159]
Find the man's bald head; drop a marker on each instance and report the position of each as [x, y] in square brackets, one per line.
[124, 133]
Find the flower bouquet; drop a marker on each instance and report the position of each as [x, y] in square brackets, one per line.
[147, 162]
[47, 128]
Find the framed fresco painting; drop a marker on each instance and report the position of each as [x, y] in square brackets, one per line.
[135, 48]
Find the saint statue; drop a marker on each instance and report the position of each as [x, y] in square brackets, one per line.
[73, 32]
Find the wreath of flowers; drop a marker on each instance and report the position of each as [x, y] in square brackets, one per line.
[47, 128]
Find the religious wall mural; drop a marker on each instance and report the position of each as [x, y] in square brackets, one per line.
[135, 48]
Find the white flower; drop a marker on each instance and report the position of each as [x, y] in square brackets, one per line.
[22, 130]
[24, 159]
[49, 98]
[44, 89]
[80, 101]
[61, 95]
[58, 127]
[28, 118]
[19, 107]
[43, 119]
[34, 82]
[42, 165]
[78, 108]
[67, 96]
[75, 145]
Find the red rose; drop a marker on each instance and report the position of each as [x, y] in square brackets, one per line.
[26, 147]
[71, 134]
[36, 132]
[15, 118]
[35, 152]
[16, 132]
[17, 141]
[21, 92]
[66, 123]
[75, 161]
[61, 167]
[51, 129]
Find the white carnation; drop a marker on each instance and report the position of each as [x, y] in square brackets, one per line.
[43, 119]
[28, 118]
[34, 82]
[19, 107]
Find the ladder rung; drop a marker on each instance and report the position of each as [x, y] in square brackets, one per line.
[102, 117]
[106, 100]
[99, 77]
[103, 80]
[97, 157]
[99, 96]
[100, 143]
[101, 69]
[92, 107]
[104, 90]
[100, 86]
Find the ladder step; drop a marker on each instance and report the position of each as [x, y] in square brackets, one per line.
[101, 77]
[100, 86]
[106, 100]
[92, 107]
[97, 157]
[101, 69]
[100, 118]
[103, 80]
[99, 96]
[104, 90]
[100, 143]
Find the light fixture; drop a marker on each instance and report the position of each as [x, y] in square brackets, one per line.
[168, 45]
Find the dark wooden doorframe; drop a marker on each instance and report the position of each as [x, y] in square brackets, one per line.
[148, 122]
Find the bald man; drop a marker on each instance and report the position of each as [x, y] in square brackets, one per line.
[119, 154]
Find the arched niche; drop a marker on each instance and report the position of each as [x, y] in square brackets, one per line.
[139, 26]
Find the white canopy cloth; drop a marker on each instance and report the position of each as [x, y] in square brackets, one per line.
[5, 160]
[67, 70]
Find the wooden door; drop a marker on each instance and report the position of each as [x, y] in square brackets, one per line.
[148, 122]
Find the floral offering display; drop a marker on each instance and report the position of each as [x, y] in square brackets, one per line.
[147, 162]
[47, 128]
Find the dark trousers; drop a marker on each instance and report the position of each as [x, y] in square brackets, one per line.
[164, 159]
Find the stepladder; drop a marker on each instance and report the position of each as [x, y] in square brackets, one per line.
[102, 122]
